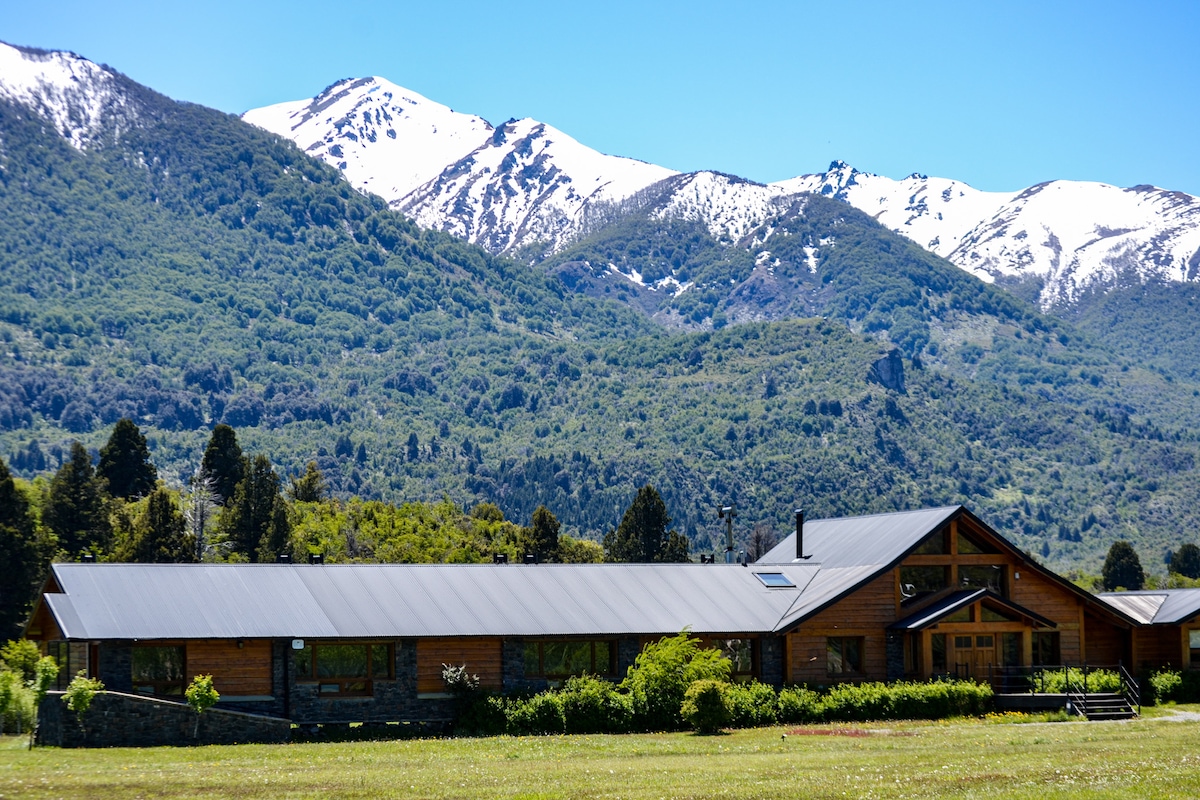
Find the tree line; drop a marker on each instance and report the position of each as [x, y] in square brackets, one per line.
[237, 508]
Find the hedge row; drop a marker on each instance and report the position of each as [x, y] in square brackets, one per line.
[591, 705]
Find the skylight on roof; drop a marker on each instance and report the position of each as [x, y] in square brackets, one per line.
[775, 580]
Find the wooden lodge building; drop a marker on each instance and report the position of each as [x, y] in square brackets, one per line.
[904, 595]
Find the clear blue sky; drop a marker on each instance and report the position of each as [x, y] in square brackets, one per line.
[999, 94]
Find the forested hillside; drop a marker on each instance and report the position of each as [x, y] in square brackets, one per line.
[191, 269]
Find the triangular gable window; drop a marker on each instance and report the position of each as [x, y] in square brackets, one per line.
[970, 547]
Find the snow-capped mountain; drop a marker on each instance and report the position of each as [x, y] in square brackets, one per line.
[1070, 234]
[525, 182]
[83, 100]
[502, 187]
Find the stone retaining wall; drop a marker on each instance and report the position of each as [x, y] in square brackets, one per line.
[116, 719]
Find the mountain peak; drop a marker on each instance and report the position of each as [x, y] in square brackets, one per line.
[77, 96]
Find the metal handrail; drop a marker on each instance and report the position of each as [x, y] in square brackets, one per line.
[1130, 689]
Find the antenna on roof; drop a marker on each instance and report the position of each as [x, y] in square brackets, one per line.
[727, 513]
[800, 536]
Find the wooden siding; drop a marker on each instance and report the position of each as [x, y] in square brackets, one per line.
[1159, 646]
[1106, 643]
[244, 671]
[866, 613]
[1046, 597]
[482, 657]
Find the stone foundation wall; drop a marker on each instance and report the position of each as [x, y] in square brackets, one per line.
[116, 719]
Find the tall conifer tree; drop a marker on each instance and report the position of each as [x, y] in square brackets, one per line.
[160, 532]
[18, 555]
[642, 536]
[76, 507]
[223, 463]
[125, 462]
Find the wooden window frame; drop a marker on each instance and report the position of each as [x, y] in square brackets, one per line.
[854, 670]
[159, 688]
[608, 671]
[344, 685]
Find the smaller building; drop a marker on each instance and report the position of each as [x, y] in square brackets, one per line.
[1168, 630]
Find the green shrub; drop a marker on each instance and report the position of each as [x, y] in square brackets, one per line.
[80, 692]
[483, 715]
[21, 656]
[661, 675]
[537, 715]
[705, 707]
[16, 704]
[592, 705]
[751, 705]
[201, 695]
[800, 704]
[1165, 686]
[1098, 680]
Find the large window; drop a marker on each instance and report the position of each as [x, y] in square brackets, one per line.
[983, 577]
[344, 668]
[843, 655]
[563, 658]
[741, 653]
[71, 657]
[158, 670]
[1045, 649]
[918, 582]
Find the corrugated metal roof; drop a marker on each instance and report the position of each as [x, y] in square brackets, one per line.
[195, 601]
[877, 539]
[1156, 607]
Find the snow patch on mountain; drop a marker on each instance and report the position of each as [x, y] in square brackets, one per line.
[79, 98]
[385, 139]
[1070, 234]
[503, 187]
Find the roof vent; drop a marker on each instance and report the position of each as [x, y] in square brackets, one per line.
[283, 558]
[316, 558]
[708, 558]
[499, 558]
[89, 558]
[531, 558]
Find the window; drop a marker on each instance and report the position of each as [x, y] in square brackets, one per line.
[1045, 649]
[985, 577]
[71, 657]
[917, 582]
[775, 580]
[1010, 649]
[969, 547]
[935, 545]
[741, 653]
[344, 668]
[158, 670]
[843, 655]
[938, 640]
[563, 658]
[964, 614]
[1194, 647]
[992, 615]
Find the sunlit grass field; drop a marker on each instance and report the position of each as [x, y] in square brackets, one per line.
[1156, 757]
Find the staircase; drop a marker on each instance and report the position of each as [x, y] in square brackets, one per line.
[1095, 706]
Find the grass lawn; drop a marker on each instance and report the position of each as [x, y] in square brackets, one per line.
[1149, 758]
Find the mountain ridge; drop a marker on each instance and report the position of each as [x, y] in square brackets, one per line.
[1034, 234]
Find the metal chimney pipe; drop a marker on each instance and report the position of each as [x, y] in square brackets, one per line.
[800, 535]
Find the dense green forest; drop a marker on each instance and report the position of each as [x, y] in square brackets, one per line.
[193, 270]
